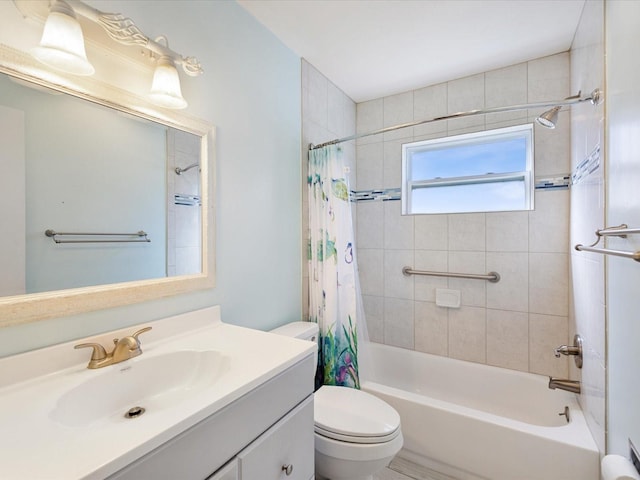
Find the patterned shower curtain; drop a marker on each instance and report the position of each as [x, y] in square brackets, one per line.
[333, 278]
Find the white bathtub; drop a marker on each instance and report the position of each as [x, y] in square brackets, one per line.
[473, 421]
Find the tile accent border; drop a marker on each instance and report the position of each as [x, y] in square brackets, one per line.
[587, 166]
[546, 183]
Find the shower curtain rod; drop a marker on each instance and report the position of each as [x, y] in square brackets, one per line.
[595, 98]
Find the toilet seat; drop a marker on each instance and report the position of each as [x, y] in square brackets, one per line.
[350, 415]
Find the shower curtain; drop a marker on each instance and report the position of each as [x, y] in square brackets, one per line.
[334, 293]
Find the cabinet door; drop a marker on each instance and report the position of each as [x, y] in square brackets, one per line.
[285, 451]
[228, 472]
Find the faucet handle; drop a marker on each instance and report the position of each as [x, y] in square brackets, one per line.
[564, 350]
[98, 353]
[142, 330]
[574, 350]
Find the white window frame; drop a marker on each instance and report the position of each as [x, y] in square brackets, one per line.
[518, 131]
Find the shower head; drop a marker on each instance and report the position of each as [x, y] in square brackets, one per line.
[549, 118]
[180, 171]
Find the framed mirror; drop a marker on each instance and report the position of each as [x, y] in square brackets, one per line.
[109, 199]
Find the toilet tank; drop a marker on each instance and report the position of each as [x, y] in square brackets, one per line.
[302, 330]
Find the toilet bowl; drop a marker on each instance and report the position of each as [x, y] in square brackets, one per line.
[356, 433]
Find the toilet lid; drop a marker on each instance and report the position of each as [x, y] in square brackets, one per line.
[352, 415]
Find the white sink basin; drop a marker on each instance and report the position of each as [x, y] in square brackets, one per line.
[153, 383]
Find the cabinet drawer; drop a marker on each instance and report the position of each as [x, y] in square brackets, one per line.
[289, 442]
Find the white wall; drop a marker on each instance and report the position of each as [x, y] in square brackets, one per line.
[184, 252]
[251, 92]
[623, 206]
[587, 301]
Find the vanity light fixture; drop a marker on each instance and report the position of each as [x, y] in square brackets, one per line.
[62, 43]
[62, 47]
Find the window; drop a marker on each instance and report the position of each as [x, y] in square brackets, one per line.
[488, 171]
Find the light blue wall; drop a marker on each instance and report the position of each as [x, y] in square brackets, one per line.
[251, 92]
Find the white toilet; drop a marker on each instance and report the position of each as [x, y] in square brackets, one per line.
[356, 434]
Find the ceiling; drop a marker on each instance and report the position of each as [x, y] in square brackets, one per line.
[374, 48]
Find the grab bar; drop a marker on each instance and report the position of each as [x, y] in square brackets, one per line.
[620, 231]
[492, 277]
[140, 236]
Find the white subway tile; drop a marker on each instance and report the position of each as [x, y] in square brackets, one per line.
[317, 101]
[552, 148]
[512, 291]
[398, 228]
[467, 231]
[473, 291]
[467, 334]
[398, 109]
[369, 166]
[547, 332]
[374, 314]
[431, 232]
[424, 285]
[507, 231]
[335, 111]
[463, 95]
[398, 322]
[508, 339]
[503, 87]
[370, 224]
[549, 283]
[369, 118]
[370, 268]
[549, 222]
[428, 103]
[392, 173]
[548, 78]
[396, 284]
[431, 328]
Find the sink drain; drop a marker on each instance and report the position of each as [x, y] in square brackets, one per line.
[134, 412]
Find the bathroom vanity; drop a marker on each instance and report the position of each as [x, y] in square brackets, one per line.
[220, 402]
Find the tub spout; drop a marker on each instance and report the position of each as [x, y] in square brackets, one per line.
[564, 384]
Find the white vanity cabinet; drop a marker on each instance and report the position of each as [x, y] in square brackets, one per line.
[285, 451]
[267, 434]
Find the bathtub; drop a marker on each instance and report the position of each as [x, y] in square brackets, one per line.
[477, 422]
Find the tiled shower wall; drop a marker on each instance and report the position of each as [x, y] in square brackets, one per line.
[183, 221]
[327, 113]
[515, 323]
[587, 215]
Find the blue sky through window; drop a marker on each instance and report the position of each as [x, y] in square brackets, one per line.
[472, 197]
[498, 156]
[487, 171]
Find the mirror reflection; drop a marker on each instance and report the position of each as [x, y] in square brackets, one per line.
[72, 166]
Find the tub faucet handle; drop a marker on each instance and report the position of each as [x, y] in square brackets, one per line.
[565, 350]
[574, 350]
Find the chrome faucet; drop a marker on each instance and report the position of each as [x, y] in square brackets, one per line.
[564, 384]
[124, 349]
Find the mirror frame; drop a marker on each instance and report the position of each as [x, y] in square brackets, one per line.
[31, 307]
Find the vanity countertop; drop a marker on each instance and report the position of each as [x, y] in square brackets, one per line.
[36, 444]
